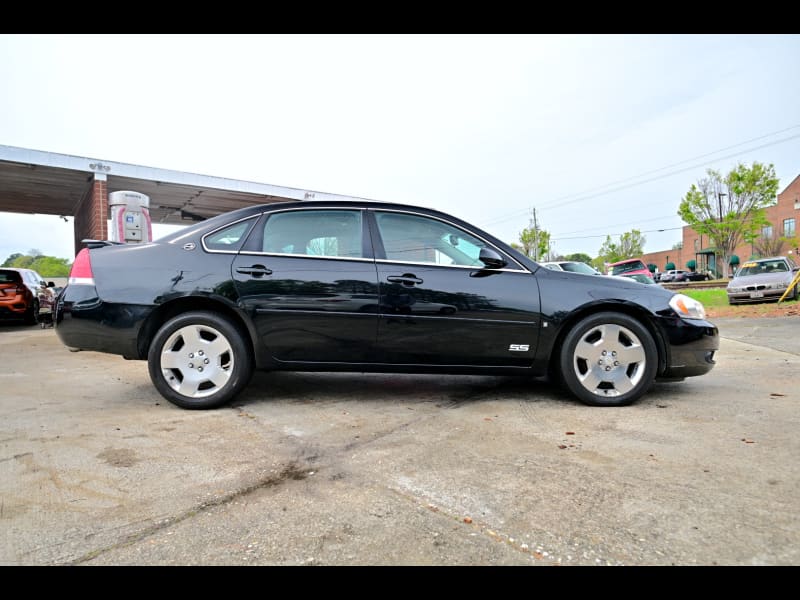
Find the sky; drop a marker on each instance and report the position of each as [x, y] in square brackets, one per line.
[601, 134]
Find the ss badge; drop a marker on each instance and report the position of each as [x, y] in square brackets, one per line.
[519, 347]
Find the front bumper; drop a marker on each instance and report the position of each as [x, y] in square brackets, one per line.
[691, 345]
[766, 296]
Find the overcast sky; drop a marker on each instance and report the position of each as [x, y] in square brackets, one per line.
[601, 133]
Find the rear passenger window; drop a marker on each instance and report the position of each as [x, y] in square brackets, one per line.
[228, 238]
[325, 233]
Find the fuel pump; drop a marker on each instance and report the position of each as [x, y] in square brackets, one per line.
[130, 217]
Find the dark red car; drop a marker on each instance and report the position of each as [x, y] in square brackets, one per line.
[19, 290]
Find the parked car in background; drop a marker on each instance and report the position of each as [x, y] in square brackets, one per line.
[208, 304]
[630, 266]
[673, 276]
[571, 266]
[19, 291]
[764, 279]
[696, 276]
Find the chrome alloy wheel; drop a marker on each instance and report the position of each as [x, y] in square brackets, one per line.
[197, 361]
[609, 360]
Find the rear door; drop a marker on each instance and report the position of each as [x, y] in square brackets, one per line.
[308, 278]
[440, 305]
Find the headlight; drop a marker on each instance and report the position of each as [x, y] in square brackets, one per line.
[734, 290]
[686, 307]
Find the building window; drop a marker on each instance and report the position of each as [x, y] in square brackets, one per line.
[766, 232]
[697, 245]
[788, 228]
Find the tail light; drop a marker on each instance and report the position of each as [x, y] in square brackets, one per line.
[81, 272]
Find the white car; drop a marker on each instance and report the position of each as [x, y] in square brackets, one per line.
[572, 266]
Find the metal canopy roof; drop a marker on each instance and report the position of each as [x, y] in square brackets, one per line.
[32, 181]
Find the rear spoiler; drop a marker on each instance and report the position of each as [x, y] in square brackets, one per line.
[92, 244]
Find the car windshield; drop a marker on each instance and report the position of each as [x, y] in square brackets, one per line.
[634, 265]
[762, 267]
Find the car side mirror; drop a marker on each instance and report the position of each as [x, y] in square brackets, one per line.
[491, 259]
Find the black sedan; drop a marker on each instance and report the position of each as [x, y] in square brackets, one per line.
[369, 286]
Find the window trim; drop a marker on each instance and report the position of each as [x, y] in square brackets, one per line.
[243, 240]
[379, 239]
[366, 240]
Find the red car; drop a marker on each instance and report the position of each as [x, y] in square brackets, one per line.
[19, 290]
[630, 266]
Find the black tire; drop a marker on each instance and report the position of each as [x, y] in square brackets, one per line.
[608, 359]
[32, 314]
[199, 360]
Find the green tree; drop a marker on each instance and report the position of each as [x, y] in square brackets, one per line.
[579, 257]
[46, 266]
[630, 244]
[534, 242]
[50, 266]
[730, 208]
[22, 262]
[10, 260]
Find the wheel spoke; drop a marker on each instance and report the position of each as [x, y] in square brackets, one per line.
[623, 383]
[219, 377]
[630, 354]
[191, 337]
[588, 351]
[218, 347]
[610, 335]
[172, 360]
[590, 380]
[188, 387]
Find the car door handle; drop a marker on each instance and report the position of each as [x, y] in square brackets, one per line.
[255, 270]
[406, 279]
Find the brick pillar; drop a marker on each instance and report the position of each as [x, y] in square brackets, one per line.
[91, 218]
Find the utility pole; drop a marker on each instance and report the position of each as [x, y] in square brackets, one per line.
[535, 236]
[724, 269]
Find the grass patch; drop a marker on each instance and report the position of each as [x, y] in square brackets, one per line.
[713, 297]
[715, 301]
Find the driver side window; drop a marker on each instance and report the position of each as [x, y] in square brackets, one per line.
[414, 238]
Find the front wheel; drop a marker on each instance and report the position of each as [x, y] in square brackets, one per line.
[199, 360]
[608, 359]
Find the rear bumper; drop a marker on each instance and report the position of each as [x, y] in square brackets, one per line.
[83, 321]
[12, 311]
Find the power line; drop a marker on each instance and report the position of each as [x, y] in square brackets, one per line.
[559, 201]
[755, 139]
[583, 237]
[620, 224]
[671, 173]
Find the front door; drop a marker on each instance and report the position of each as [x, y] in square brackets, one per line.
[440, 305]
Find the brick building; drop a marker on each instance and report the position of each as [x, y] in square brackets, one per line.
[784, 217]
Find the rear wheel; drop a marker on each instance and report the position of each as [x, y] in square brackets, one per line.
[199, 360]
[608, 359]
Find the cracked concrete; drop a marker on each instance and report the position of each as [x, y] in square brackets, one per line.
[350, 469]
